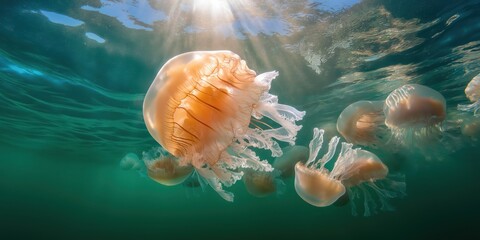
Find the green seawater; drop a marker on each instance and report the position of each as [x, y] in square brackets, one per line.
[73, 75]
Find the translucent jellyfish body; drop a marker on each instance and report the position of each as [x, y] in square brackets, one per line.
[472, 91]
[366, 177]
[165, 169]
[356, 171]
[363, 123]
[285, 164]
[262, 184]
[131, 161]
[199, 108]
[313, 182]
[414, 113]
[363, 166]
[471, 128]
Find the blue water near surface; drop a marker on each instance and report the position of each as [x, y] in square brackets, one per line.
[73, 75]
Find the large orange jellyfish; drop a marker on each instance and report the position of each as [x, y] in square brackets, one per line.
[472, 91]
[200, 106]
[356, 171]
[415, 113]
[363, 123]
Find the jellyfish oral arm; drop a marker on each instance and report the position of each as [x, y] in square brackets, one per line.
[284, 115]
[474, 107]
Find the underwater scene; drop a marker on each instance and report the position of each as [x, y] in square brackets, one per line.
[239, 119]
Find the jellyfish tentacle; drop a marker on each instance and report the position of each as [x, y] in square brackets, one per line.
[346, 156]
[212, 180]
[265, 79]
[261, 139]
[474, 107]
[315, 145]
[284, 115]
[332, 148]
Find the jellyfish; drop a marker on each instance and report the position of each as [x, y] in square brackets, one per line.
[313, 181]
[165, 169]
[285, 164]
[363, 123]
[130, 161]
[472, 91]
[414, 114]
[261, 183]
[471, 128]
[365, 176]
[203, 108]
[356, 172]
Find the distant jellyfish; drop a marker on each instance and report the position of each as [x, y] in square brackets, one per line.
[285, 164]
[363, 123]
[358, 172]
[471, 128]
[414, 114]
[200, 106]
[365, 176]
[131, 162]
[472, 91]
[261, 183]
[166, 169]
[313, 182]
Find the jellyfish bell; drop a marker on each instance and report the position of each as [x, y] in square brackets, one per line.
[365, 176]
[366, 167]
[167, 171]
[261, 183]
[313, 182]
[414, 105]
[363, 123]
[472, 91]
[130, 161]
[471, 128]
[342, 201]
[199, 108]
[414, 113]
[285, 164]
[316, 187]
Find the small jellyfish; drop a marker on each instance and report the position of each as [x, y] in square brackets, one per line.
[414, 114]
[363, 123]
[358, 172]
[365, 166]
[200, 108]
[472, 91]
[313, 182]
[471, 128]
[364, 175]
[261, 183]
[285, 164]
[130, 162]
[166, 169]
